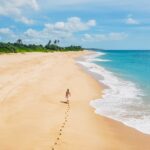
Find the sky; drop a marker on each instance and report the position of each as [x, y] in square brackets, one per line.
[106, 24]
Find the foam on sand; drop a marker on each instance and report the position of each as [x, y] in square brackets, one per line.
[121, 100]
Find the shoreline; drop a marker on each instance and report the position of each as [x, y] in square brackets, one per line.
[32, 113]
[99, 77]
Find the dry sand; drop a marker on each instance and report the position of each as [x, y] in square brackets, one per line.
[32, 88]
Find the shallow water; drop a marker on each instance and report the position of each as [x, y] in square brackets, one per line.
[127, 77]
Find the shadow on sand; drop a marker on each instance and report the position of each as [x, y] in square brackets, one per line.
[64, 102]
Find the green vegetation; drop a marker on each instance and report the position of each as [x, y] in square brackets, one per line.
[18, 46]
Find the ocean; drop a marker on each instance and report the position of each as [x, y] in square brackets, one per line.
[126, 76]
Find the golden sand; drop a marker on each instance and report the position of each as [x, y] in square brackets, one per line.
[34, 117]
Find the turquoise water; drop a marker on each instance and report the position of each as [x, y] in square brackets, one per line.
[133, 65]
[126, 75]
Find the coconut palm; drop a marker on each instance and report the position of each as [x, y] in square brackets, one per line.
[19, 41]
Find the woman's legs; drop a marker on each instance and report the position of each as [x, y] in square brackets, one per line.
[67, 97]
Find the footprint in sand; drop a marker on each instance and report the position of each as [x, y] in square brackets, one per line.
[57, 138]
[63, 125]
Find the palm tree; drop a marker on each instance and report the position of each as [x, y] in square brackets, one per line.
[19, 41]
[49, 43]
[55, 42]
[58, 41]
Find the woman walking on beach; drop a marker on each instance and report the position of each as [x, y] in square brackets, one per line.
[68, 94]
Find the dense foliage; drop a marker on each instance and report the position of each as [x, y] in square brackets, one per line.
[20, 47]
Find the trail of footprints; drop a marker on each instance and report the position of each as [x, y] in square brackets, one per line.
[58, 138]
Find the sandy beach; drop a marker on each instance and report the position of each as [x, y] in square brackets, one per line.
[34, 117]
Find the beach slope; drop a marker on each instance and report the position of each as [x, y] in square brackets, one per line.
[33, 115]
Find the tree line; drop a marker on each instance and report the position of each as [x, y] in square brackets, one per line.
[51, 46]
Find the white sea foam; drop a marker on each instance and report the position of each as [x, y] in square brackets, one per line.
[122, 100]
[99, 60]
[87, 57]
[92, 58]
